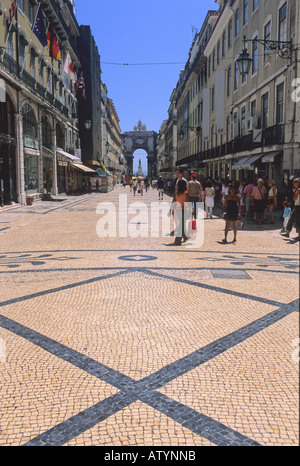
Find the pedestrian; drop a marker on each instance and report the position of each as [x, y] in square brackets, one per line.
[134, 187]
[194, 191]
[259, 200]
[146, 184]
[179, 176]
[161, 188]
[272, 199]
[209, 199]
[89, 187]
[247, 193]
[287, 212]
[225, 190]
[142, 187]
[231, 212]
[178, 209]
[241, 189]
[97, 186]
[130, 185]
[296, 211]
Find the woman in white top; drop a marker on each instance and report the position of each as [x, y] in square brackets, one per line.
[209, 199]
[272, 199]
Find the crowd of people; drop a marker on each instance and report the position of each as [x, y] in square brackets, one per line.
[237, 199]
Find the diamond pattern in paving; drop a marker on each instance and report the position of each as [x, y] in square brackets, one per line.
[126, 341]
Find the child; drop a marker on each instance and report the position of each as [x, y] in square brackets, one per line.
[287, 212]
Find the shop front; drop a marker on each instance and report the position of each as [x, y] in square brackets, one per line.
[8, 174]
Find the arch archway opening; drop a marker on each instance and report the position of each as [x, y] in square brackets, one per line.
[140, 160]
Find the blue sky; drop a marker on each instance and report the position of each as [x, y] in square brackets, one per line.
[141, 32]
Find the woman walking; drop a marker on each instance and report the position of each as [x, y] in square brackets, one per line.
[178, 209]
[209, 199]
[231, 212]
[272, 199]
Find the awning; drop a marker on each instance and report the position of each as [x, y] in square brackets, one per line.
[248, 164]
[66, 154]
[101, 173]
[83, 168]
[270, 157]
[240, 162]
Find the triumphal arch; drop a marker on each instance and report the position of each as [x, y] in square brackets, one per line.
[140, 138]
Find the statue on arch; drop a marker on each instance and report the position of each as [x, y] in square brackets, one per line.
[140, 127]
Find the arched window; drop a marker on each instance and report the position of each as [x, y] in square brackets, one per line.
[46, 132]
[7, 117]
[29, 122]
[60, 137]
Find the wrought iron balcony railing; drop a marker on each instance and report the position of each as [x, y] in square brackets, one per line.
[30, 82]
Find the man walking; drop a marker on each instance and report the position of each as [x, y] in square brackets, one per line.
[194, 190]
[161, 188]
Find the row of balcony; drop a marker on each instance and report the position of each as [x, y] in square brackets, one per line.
[269, 136]
[30, 82]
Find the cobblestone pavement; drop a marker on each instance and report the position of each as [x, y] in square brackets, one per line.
[128, 341]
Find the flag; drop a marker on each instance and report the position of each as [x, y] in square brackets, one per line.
[53, 46]
[82, 86]
[39, 28]
[12, 10]
[69, 68]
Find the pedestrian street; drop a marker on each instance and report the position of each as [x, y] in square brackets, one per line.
[130, 341]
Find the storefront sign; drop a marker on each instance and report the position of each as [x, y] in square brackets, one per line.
[31, 143]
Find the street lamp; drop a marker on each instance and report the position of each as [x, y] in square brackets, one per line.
[88, 124]
[282, 48]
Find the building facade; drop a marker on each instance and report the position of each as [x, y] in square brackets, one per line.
[113, 157]
[38, 124]
[89, 98]
[242, 125]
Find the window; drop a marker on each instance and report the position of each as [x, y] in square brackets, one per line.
[49, 80]
[255, 56]
[42, 74]
[214, 60]
[223, 44]
[32, 63]
[236, 75]
[22, 54]
[253, 108]
[228, 128]
[218, 53]
[229, 81]
[245, 11]
[212, 99]
[31, 13]
[282, 24]
[21, 5]
[229, 39]
[267, 36]
[265, 111]
[10, 44]
[237, 22]
[255, 4]
[279, 108]
[243, 121]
